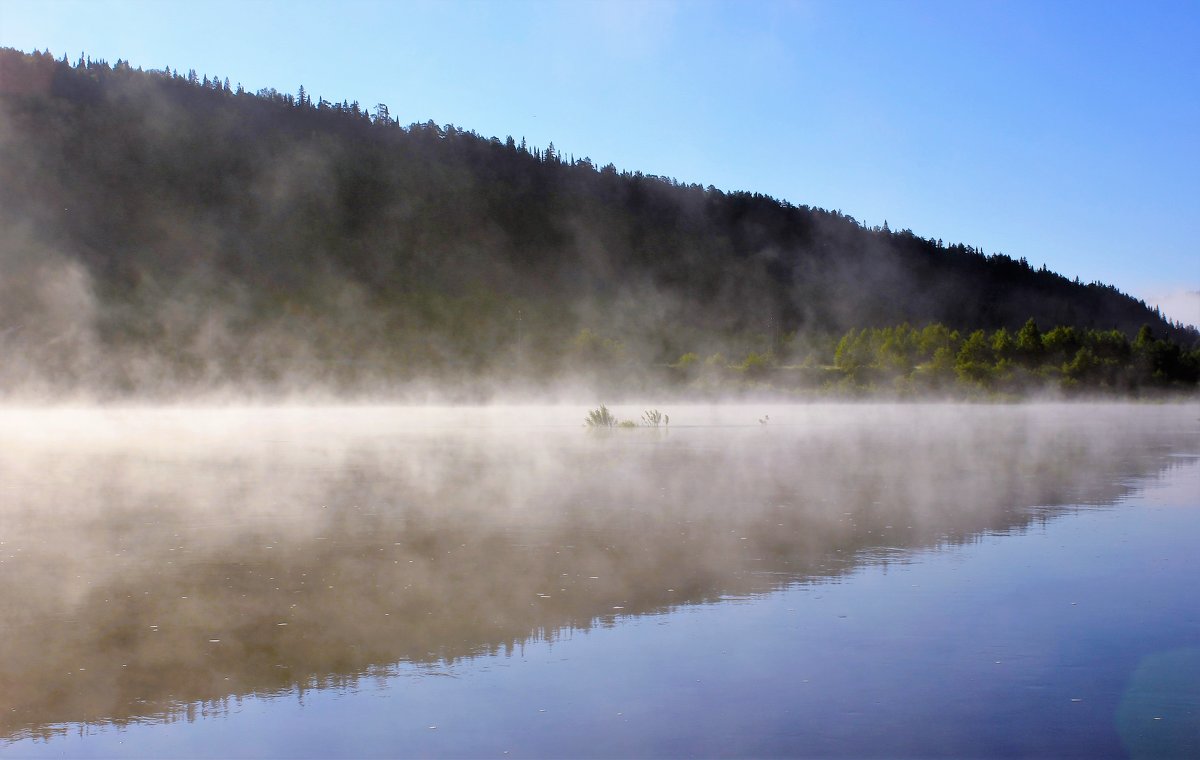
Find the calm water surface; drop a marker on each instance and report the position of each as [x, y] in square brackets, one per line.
[835, 581]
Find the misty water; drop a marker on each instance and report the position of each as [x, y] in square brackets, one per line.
[751, 580]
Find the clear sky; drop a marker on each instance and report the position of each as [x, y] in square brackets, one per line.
[1067, 133]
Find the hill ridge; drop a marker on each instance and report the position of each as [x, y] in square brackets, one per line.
[196, 220]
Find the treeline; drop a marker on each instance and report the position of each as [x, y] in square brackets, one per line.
[936, 360]
[176, 230]
[1063, 358]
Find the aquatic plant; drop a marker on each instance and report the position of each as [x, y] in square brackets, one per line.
[654, 418]
[601, 418]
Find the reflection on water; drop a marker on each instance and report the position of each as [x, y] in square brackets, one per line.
[155, 564]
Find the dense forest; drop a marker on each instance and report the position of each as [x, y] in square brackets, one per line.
[162, 233]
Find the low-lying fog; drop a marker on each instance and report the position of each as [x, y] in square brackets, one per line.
[156, 558]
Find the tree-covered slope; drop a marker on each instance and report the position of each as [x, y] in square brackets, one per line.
[159, 228]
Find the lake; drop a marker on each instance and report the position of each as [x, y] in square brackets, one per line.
[749, 580]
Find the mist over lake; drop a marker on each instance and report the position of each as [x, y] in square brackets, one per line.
[599, 379]
[815, 580]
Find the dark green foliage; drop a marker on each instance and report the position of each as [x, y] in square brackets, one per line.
[1061, 359]
[224, 237]
[1163, 362]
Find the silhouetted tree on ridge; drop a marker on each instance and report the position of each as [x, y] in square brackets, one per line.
[338, 239]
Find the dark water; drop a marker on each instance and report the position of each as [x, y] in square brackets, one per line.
[839, 581]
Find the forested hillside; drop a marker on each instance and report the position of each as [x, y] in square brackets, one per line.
[163, 232]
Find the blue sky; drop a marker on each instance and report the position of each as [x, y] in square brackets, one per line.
[1067, 133]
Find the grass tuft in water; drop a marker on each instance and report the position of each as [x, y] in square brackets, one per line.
[601, 418]
[654, 418]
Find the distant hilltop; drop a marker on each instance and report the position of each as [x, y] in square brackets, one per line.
[166, 230]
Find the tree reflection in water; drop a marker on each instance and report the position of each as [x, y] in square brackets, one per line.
[158, 563]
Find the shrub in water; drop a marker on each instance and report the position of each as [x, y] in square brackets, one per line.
[601, 418]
